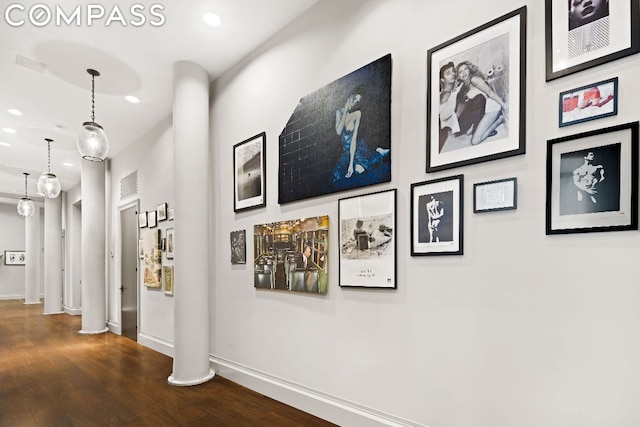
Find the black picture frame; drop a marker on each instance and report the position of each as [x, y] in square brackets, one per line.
[437, 216]
[152, 220]
[250, 173]
[589, 102]
[161, 210]
[238, 240]
[368, 244]
[476, 94]
[497, 195]
[579, 199]
[609, 31]
[142, 219]
[170, 243]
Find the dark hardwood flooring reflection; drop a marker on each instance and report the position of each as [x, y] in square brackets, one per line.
[52, 376]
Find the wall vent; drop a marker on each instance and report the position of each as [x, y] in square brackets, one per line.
[129, 185]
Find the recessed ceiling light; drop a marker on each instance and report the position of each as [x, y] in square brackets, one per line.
[5, 144]
[9, 130]
[67, 164]
[132, 99]
[212, 19]
[15, 112]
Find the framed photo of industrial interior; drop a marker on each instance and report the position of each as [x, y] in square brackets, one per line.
[249, 173]
[367, 242]
[592, 181]
[437, 216]
[476, 94]
[583, 34]
[589, 102]
[498, 195]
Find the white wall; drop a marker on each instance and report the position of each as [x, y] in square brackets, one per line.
[11, 239]
[523, 329]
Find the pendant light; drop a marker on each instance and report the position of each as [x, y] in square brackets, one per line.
[92, 141]
[26, 207]
[48, 184]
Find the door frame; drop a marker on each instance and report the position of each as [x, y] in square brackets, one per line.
[135, 203]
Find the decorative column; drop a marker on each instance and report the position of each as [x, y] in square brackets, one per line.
[32, 261]
[191, 169]
[53, 255]
[93, 248]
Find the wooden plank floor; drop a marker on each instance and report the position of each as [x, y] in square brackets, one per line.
[52, 376]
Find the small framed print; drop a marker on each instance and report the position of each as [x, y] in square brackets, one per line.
[437, 216]
[15, 258]
[142, 219]
[170, 243]
[161, 210]
[367, 242]
[151, 219]
[589, 102]
[249, 173]
[168, 279]
[498, 195]
[239, 247]
[163, 244]
[592, 181]
[170, 214]
[583, 34]
[140, 249]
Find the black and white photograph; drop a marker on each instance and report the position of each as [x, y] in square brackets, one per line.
[161, 211]
[475, 95]
[170, 214]
[15, 258]
[142, 219]
[239, 247]
[249, 168]
[583, 34]
[367, 241]
[152, 220]
[170, 243]
[592, 181]
[437, 216]
[589, 102]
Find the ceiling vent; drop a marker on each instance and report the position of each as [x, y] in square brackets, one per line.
[31, 64]
[129, 185]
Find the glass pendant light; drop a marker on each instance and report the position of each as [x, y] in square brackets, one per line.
[26, 207]
[48, 184]
[92, 141]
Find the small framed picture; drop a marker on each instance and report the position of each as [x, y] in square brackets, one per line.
[498, 195]
[589, 102]
[583, 34]
[140, 249]
[151, 219]
[249, 173]
[367, 242]
[592, 181]
[239, 247]
[170, 243]
[163, 244]
[15, 258]
[161, 210]
[437, 216]
[170, 214]
[142, 219]
[168, 279]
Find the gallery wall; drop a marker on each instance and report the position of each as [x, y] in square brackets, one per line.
[11, 239]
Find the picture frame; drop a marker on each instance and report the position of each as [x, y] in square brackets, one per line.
[579, 199]
[238, 247]
[437, 216]
[140, 249]
[161, 211]
[607, 31]
[152, 219]
[168, 279]
[368, 247]
[590, 102]
[249, 173]
[15, 258]
[163, 244]
[476, 94]
[170, 243]
[497, 195]
[170, 214]
[142, 219]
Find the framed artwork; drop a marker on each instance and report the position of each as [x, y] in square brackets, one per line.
[140, 249]
[292, 255]
[161, 210]
[151, 219]
[589, 102]
[592, 181]
[170, 214]
[170, 243]
[249, 173]
[338, 137]
[476, 94]
[152, 272]
[580, 35]
[15, 258]
[142, 219]
[163, 244]
[437, 216]
[168, 280]
[367, 244]
[498, 195]
[239, 247]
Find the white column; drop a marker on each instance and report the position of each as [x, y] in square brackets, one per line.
[53, 255]
[191, 169]
[93, 248]
[32, 253]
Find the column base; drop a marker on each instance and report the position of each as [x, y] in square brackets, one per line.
[102, 331]
[172, 381]
[32, 303]
[54, 312]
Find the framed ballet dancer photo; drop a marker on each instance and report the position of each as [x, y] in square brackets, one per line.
[592, 181]
[249, 173]
[437, 216]
[589, 102]
[476, 94]
[583, 34]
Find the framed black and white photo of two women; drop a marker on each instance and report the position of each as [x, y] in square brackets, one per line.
[592, 181]
[476, 94]
[583, 34]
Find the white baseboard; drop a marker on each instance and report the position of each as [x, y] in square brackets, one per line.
[3, 297]
[115, 328]
[72, 311]
[323, 405]
[156, 343]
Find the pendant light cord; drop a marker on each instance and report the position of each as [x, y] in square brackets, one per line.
[25, 185]
[49, 156]
[93, 98]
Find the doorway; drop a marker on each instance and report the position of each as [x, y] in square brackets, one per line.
[129, 271]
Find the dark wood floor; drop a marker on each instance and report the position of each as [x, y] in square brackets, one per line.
[52, 376]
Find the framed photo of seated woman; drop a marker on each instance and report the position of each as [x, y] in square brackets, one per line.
[476, 94]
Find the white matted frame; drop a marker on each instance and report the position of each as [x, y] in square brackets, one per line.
[249, 173]
[142, 219]
[498, 195]
[15, 258]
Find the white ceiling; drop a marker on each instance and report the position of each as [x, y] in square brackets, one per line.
[132, 61]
